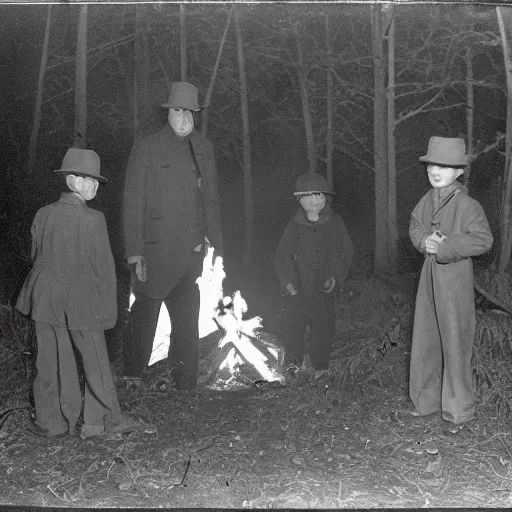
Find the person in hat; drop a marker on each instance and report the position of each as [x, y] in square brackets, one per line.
[70, 293]
[171, 210]
[448, 227]
[313, 256]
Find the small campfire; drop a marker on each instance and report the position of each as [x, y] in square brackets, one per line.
[235, 352]
[238, 352]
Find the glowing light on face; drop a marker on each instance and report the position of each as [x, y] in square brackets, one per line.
[181, 121]
[313, 204]
[83, 185]
[440, 176]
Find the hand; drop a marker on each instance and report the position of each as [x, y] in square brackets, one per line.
[329, 285]
[291, 289]
[431, 245]
[140, 267]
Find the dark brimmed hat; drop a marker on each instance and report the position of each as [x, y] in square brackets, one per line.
[450, 152]
[82, 162]
[183, 95]
[311, 183]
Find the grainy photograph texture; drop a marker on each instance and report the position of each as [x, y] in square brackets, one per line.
[256, 255]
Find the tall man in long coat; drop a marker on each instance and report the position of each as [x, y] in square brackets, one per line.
[171, 204]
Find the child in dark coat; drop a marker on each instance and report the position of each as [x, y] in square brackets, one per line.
[449, 228]
[70, 293]
[315, 253]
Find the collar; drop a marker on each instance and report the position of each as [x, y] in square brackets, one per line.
[71, 198]
[302, 218]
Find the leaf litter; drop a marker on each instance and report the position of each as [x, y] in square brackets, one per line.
[342, 441]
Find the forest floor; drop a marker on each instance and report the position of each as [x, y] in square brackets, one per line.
[344, 441]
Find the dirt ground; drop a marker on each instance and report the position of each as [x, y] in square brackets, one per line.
[345, 441]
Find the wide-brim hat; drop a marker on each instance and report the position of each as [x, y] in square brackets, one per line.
[312, 183]
[446, 151]
[82, 162]
[183, 95]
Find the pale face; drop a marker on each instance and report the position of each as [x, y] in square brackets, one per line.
[441, 177]
[313, 204]
[181, 121]
[83, 185]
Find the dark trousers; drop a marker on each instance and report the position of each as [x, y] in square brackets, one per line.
[57, 394]
[182, 303]
[318, 312]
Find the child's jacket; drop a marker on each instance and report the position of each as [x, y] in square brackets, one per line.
[72, 282]
[459, 217]
[307, 249]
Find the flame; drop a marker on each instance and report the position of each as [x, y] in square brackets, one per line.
[229, 317]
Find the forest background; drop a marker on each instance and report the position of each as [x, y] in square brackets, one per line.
[353, 91]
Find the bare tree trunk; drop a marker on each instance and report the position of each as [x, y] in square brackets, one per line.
[36, 124]
[140, 71]
[209, 92]
[310, 143]
[329, 145]
[248, 182]
[505, 24]
[81, 80]
[470, 109]
[183, 42]
[379, 144]
[392, 206]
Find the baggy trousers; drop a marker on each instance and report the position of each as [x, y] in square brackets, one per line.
[443, 334]
[57, 394]
[317, 311]
[182, 304]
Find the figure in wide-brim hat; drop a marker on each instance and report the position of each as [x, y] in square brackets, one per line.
[82, 162]
[446, 151]
[183, 95]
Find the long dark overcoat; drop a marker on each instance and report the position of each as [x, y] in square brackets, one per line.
[158, 200]
[444, 319]
[73, 280]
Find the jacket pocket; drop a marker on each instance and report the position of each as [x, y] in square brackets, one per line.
[153, 226]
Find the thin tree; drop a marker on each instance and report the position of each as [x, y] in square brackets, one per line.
[379, 144]
[80, 138]
[36, 124]
[141, 70]
[303, 85]
[329, 113]
[470, 108]
[391, 149]
[183, 42]
[209, 92]
[244, 104]
[505, 24]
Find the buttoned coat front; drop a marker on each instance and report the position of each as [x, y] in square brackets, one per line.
[153, 207]
[72, 282]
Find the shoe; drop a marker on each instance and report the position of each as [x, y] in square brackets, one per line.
[39, 431]
[126, 426]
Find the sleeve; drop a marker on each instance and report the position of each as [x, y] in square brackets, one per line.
[34, 230]
[344, 252]
[134, 197]
[417, 232]
[104, 267]
[212, 204]
[475, 240]
[284, 258]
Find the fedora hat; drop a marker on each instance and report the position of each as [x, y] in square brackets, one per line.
[311, 183]
[450, 152]
[183, 95]
[82, 162]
